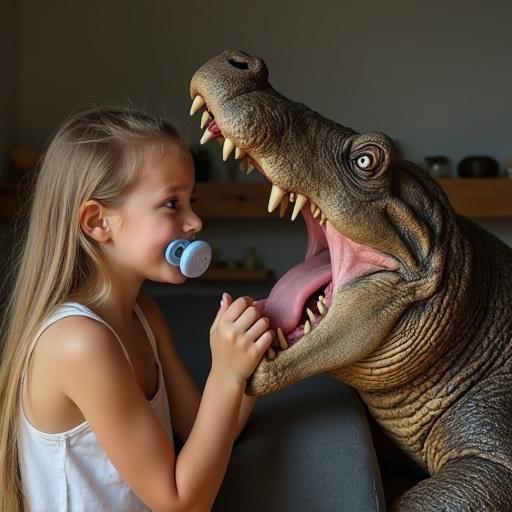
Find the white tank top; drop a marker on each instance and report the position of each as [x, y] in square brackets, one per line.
[70, 471]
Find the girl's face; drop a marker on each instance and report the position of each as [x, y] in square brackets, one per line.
[155, 211]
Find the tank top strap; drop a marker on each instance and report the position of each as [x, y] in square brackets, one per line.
[72, 309]
[85, 311]
[148, 331]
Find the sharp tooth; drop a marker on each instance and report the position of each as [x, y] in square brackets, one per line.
[283, 206]
[276, 194]
[299, 203]
[271, 353]
[292, 197]
[239, 153]
[250, 168]
[320, 307]
[197, 104]
[311, 315]
[227, 149]
[322, 300]
[207, 135]
[307, 327]
[322, 218]
[317, 213]
[312, 205]
[205, 119]
[282, 339]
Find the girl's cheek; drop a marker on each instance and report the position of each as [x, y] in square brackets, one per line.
[165, 233]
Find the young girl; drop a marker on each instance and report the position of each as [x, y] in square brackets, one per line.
[90, 378]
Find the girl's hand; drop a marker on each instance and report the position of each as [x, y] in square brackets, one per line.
[239, 337]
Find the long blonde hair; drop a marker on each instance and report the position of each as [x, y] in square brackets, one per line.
[93, 154]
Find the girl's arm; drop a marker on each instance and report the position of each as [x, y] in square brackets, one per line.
[184, 396]
[247, 404]
[246, 407]
[95, 375]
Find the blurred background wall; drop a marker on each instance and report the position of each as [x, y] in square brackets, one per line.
[435, 76]
[9, 82]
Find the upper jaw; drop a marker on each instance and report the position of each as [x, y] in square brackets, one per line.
[256, 152]
[322, 235]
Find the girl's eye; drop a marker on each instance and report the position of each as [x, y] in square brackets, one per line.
[172, 204]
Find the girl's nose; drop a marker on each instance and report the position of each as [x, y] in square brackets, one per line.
[192, 222]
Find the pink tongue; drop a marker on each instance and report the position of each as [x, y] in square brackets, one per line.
[285, 302]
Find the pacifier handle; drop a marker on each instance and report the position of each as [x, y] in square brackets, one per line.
[192, 257]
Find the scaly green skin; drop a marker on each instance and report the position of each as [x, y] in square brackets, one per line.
[428, 346]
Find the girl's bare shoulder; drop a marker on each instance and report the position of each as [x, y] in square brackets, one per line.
[55, 370]
[70, 344]
[76, 337]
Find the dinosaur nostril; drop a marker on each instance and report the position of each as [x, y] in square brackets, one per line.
[238, 64]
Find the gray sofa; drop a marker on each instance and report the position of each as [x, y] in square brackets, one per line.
[308, 447]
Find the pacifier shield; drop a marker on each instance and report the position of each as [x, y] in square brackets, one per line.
[193, 258]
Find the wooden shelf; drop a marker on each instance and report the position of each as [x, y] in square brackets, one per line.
[472, 197]
[232, 200]
[480, 197]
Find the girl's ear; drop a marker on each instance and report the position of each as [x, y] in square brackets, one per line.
[93, 221]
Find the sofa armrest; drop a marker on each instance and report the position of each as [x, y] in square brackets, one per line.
[308, 448]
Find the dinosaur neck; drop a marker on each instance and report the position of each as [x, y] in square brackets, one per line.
[457, 346]
[425, 330]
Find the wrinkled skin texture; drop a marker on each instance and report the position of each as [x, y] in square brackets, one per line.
[427, 343]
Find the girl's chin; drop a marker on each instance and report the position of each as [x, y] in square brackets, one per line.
[176, 277]
[172, 277]
[179, 280]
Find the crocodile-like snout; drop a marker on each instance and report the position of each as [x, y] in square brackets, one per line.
[228, 75]
[254, 67]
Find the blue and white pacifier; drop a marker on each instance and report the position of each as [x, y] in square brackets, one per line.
[192, 257]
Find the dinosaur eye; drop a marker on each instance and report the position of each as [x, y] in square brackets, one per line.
[364, 162]
[367, 161]
[370, 155]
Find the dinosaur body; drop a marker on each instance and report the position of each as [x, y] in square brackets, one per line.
[398, 296]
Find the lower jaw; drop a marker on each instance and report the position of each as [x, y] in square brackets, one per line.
[326, 294]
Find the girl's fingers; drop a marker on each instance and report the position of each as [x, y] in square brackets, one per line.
[247, 319]
[264, 341]
[260, 304]
[225, 301]
[258, 328]
[237, 308]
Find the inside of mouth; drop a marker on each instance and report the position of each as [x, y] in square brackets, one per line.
[331, 261]
[212, 127]
[297, 290]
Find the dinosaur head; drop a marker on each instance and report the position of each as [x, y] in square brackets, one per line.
[369, 254]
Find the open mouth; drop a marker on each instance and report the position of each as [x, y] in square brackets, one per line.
[301, 300]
